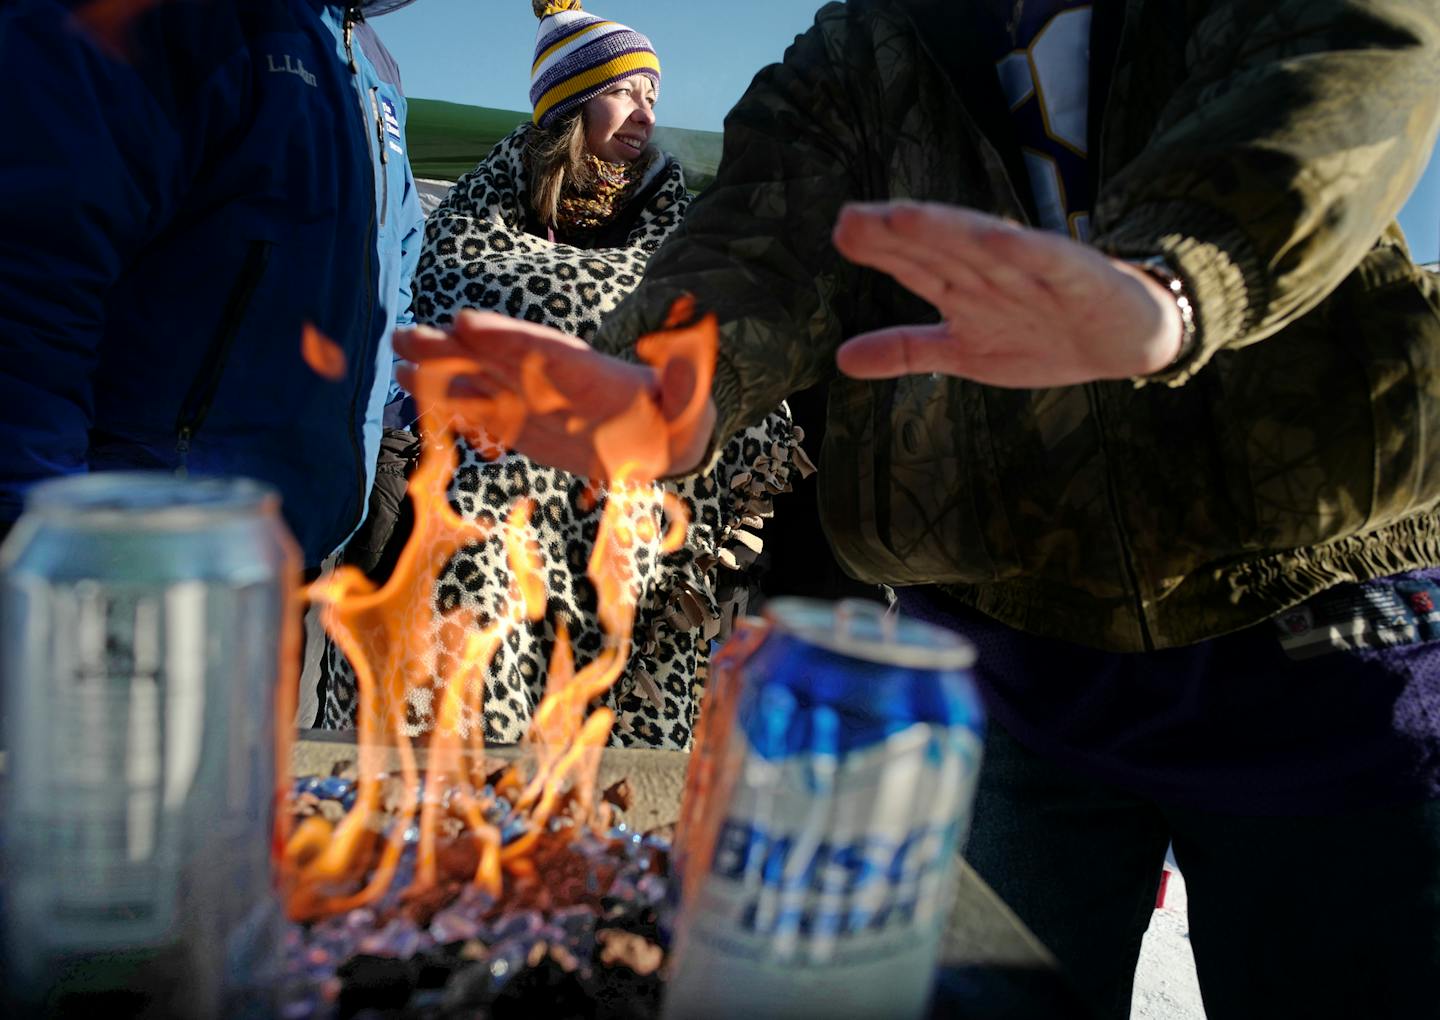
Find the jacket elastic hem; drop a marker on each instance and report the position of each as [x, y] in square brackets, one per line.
[1294, 576]
[1214, 600]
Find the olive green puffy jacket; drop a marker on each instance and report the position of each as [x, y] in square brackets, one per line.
[1264, 147]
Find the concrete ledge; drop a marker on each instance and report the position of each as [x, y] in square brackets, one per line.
[983, 931]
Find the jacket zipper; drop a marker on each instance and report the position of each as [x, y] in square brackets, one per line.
[1097, 169]
[201, 395]
[1112, 495]
[1096, 159]
[357, 445]
[962, 64]
[384, 155]
[1111, 492]
[1020, 211]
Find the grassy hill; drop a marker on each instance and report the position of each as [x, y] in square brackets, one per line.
[448, 139]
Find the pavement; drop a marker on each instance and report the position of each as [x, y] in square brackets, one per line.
[1165, 985]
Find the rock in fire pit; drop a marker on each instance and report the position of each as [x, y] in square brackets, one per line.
[577, 931]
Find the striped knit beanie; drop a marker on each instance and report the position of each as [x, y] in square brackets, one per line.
[578, 56]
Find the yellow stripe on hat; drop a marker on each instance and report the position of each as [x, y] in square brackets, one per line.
[625, 65]
[568, 40]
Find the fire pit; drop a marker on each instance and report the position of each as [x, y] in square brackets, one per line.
[577, 930]
[420, 871]
[990, 963]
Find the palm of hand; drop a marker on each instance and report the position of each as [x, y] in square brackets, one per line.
[1021, 308]
[544, 393]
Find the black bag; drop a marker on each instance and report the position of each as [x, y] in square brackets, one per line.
[390, 517]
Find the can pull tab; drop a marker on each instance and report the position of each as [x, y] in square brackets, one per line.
[859, 620]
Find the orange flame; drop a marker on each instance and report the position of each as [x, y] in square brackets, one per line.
[329, 869]
[710, 775]
[526, 566]
[107, 22]
[322, 354]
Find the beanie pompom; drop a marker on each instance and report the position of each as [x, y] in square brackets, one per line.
[545, 8]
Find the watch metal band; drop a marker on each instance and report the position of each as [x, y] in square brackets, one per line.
[1159, 269]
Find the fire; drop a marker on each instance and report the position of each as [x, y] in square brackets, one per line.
[329, 868]
[322, 354]
[108, 23]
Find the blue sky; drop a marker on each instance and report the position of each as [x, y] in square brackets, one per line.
[1420, 218]
[479, 52]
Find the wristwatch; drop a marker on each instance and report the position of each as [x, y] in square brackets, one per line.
[1157, 267]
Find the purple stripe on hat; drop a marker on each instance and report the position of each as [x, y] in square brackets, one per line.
[565, 72]
[564, 32]
[572, 103]
[587, 57]
[596, 51]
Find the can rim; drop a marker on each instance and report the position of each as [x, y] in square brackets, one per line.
[147, 499]
[868, 631]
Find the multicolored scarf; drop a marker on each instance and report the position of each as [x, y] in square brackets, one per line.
[595, 205]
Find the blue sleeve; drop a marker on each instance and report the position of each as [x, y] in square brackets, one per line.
[91, 165]
[410, 213]
[414, 237]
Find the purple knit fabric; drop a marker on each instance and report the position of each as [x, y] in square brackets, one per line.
[563, 30]
[583, 59]
[1347, 718]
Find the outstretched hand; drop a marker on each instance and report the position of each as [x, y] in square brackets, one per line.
[1021, 307]
[559, 401]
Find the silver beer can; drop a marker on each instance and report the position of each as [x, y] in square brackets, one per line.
[147, 621]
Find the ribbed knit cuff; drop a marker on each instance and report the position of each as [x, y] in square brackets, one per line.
[1220, 270]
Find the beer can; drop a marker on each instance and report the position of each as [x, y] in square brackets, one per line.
[143, 619]
[826, 802]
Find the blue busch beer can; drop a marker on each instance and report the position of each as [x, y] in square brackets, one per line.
[827, 799]
[143, 619]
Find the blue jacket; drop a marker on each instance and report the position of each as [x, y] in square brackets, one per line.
[178, 197]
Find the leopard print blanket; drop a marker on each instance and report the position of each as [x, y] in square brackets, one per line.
[476, 254]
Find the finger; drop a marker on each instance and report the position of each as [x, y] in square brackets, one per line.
[916, 278]
[486, 331]
[865, 232]
[1039, 253]
[977, 298]
[1063, 266]
[423, 343]
[446, 381]
[902, 350]
[950, 228]
[942, 283]
[994, 247]
[1017, 368]
[916, 350]
[503, 416]
[870, 242]
[474, 384]
[943, 241]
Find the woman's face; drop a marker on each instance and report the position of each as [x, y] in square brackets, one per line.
[618, 121]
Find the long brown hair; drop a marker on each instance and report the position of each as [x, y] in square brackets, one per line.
[556, 158]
